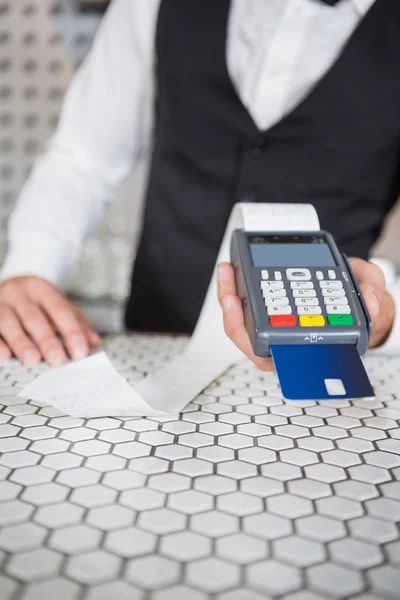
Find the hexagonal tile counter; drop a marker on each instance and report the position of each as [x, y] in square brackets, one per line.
[241, 497]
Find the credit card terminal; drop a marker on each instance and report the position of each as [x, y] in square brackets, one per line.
[297, 289]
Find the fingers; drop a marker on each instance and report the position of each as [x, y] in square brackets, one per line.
[66, 323]
[369, 274]
[5, 352]
[16, 339]
[41, 331]
[234, 318]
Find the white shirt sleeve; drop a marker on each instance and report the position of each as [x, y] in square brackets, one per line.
[98, 138]
[392, 345]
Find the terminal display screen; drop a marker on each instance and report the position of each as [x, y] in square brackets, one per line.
[290, 251]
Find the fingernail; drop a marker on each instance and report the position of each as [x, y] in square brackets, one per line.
[55, 358]
[29, 357]
[227, 304]
[223, 274]
[79, 352]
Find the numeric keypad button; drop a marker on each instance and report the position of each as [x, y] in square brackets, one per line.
[269, 301]
[272, 285]
[309, 310]
[301, 285]
[304, 293]
[319, 275]
[334, 309]
[306, 301]
[336, 300]
[331, 274]
[279, 310]
[334, 285]
[274, 293]
[333, 292]
[278, 276]
[264, 274]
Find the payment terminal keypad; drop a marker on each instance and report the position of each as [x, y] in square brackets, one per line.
[299, 297]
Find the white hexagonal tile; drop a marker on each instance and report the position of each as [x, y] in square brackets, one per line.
[236, 469]
[174, 452]
[215, 484]
[91, 448]
[9, 490]
[289, 506]
[42, 432]
[190, 502]
[179, 427]
[393, 552]
[132, 449]
[281, 471]
[124, 480]
[340, 581]
[275, 442]
[169, 482]
[267, 526]
[63, 460]
[339, 508]
[194, 467]
[391, 490]
[325, 473]
[254, 429]
[116, 589]
[257, 456]
[315, 444]
[214, 523]
[241, 594]
[45, 493]
[34, 565]
[373, 530]
[355, 445]
[299, 551]
[385, 580]
[297, 456]
[78, 477]
[92, 496]
[185, 546]
[341, 458]
[19, 538]
[241, 548]
[50, 446]
[14, 511]
[369, 474]
[162, 521]
[32, 475]
[59, 588]
[355, 553]
[76, 539]
[273, 577]
[239, 504]
[58, 515]
[384, 508]
[149, 465]
[261, 486]
[142, 499]
[105, 463]
[235, 441]
[321, 529]
[292, 431]
[309, 488]
[110, 517]
[152, 572]
[22, 458]
[212, 575]
[130, 542]
[93, 567]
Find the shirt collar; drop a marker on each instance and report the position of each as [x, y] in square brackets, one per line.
[362, 6]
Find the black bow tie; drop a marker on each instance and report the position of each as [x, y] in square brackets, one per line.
[331, 2]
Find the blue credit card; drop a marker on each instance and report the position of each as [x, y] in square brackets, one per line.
[321, 372]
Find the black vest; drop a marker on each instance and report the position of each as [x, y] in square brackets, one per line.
[339, 149]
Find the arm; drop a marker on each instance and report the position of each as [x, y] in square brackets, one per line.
[101, 129]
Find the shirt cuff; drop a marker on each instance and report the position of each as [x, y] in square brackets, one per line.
[37, 255]
[392, 344]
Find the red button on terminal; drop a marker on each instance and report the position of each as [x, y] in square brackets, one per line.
[283, 321]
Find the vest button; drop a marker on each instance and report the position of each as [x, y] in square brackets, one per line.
[257, 145]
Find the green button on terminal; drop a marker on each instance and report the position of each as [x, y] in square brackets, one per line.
[340, 320]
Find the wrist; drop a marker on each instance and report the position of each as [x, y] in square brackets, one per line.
[384, 324]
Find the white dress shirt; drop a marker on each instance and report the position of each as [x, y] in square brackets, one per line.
[276, 53]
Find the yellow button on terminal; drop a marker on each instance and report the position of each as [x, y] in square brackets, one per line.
[312, 321]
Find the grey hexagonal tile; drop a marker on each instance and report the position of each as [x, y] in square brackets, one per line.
[149, 465]
[384, 508]
[321, 529]
[142, 499]
[92, 496]
[59, 515]
[275, 442]
[325, 473]
[281, 471]
[193, 467]
[309, 488]
[45, 493]
[14, 511]
[78, 477]
[116, 589]
[339, 508]
[239, 504]
[261, 486]
[287, 505]
[9, 490]
[373, 530]
[59, 588]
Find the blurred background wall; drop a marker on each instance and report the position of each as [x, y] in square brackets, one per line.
[41, 44]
